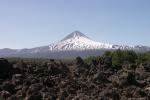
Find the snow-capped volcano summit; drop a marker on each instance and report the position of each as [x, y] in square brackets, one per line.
[74, 34]
[73, 45]
[78, 41]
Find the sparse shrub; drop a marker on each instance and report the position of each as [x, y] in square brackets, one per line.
[117, 57]
[90, 59]
[125, 56]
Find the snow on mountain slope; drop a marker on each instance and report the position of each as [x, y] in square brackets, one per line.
[78, 41]
[75, 44]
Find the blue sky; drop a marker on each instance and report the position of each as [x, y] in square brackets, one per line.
[32, 23]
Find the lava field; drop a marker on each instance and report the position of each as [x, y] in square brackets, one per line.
[58, 80]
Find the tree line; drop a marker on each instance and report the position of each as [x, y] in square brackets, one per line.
[119, 57]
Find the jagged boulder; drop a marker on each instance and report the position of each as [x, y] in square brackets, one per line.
[17, 79]
[100, 78]
[35, 96]
[4, 95]
[79, 61]
[56, 68]
[5, 68]
[81, 69]
[8, 86]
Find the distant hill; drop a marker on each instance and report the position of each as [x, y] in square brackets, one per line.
[73, 45]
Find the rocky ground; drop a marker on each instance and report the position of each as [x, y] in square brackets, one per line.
[55, 80]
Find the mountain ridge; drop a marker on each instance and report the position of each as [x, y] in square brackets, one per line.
[74, 44]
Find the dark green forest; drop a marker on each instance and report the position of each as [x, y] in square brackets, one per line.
[119, 57]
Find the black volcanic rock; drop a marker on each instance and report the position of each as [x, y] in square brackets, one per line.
[34, 96]
[57, 80]
[100, 78]
[4, 94]
[8, 86]
[57, 69]
[5, 68]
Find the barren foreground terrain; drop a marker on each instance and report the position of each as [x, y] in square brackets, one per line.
[77, 80]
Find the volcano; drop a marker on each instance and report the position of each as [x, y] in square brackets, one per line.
[73, 45]
[78, 41]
